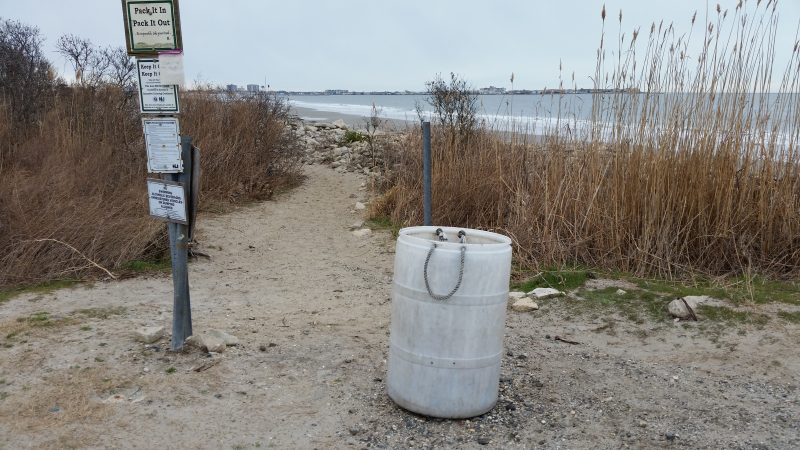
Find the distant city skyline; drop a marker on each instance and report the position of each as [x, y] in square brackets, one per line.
[307, 45]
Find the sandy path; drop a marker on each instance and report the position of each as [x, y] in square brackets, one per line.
[310, 305]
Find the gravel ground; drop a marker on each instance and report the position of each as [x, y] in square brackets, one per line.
[309, 303]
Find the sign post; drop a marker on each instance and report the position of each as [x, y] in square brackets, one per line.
[152, 27]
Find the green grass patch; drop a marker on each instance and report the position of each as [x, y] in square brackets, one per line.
[140, 266]
[793, 317]
[383, 223]
[41, 288]
[728, 315]
[634, 304]
[563, 280]
[171, 370]
[351, 136]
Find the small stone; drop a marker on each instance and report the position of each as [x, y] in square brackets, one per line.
[217, 395]
[357, 225]
[339, 123]
[516, 295]
[483, 440]
[524, 305]
[642, 423]
[229, 339]
[678, 309]
[360, 206]
[262, 347]
[148, 335]
[364, 232]
[670, 436]
[272, 344]
[545, 293]
[621, 292]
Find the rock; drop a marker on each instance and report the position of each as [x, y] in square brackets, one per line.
[524, 305]
[340, 151]
[311, 128]
[211, 344]
[364, 232]
[483, 440]
[360, 206]
[544, 293]
[229, 339]
[148, 335]
[339, 123]
[642, 423]
[678, 309]
[357, 225]
[516, 295]
[670, 436]
[621, 292]
[213, 341]
[335, 164]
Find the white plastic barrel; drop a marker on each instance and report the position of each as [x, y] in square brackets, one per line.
[444, 355]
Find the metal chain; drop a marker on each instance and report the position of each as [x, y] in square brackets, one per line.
[460, 275]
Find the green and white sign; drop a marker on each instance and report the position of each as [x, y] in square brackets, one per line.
[155, 97]
[151, 26]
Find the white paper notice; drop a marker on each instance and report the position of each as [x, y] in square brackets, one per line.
[162, 137]
[167, 200]
[171, 67]
[155, 97]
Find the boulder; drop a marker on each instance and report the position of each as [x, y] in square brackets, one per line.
[524, 304]
[148, 335]
[544, 293]
[339, 123]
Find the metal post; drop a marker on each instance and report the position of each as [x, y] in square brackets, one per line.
[426, 173]
[179, 251]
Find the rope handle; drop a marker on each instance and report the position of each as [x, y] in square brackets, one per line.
[462, 235]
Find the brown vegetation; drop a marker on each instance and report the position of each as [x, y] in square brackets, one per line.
[698, 173]
[79, 178]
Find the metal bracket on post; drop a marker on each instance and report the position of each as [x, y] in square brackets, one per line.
[426, 173]
[179, 251]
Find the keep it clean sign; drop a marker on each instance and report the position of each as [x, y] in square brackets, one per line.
[152, 26]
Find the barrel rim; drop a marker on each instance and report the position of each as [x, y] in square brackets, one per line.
[408, 234]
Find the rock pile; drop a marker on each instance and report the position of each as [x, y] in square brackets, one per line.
[344, 150]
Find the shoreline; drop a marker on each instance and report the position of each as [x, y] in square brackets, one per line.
[353, 121]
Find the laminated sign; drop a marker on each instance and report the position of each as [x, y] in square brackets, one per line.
[155, 97]
[151, 25]
[162, 136]
[167, 200]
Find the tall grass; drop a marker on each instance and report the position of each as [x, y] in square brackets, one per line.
[72, 186]
[688, 166]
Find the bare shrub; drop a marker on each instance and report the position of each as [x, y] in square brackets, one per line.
[454, 105]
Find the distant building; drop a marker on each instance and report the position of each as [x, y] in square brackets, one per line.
[336, 92]
[491, 90]
[253, 88]
[231, 88]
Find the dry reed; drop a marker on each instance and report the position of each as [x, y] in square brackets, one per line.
[78, 176]
[688, 165]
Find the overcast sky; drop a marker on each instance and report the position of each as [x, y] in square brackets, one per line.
[380, 44]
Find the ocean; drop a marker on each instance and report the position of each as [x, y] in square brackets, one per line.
[533, 114]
